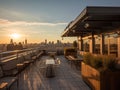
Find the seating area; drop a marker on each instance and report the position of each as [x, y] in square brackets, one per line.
[7, 82]
[32, 75]
[10, 70]
[35, 70]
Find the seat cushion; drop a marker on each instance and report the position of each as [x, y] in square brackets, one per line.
[8, 80]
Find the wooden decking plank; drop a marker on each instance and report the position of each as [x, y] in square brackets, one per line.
[66, 78]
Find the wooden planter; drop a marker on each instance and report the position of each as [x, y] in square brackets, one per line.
[100, 80]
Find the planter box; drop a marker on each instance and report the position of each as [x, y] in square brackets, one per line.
[100, 80]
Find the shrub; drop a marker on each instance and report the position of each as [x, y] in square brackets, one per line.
[70, 51]
[101, 62]
[109, 62]
[96, 62]
[87, 58]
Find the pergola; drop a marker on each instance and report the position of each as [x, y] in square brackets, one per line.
[94, 21]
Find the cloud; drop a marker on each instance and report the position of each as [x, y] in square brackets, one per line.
[4, 22]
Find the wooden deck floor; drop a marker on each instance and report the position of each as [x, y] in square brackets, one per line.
[66, 78]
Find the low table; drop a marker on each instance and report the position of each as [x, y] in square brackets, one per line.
[50, 70]
[50, 61]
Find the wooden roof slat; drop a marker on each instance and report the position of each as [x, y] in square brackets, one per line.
[94, 19]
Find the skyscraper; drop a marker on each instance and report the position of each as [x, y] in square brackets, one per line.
[25, 41]
[11, 41]
[45, 41]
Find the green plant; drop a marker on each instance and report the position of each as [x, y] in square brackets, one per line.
[87, 58]
[96, 62]
[101, 62]
[109, 62]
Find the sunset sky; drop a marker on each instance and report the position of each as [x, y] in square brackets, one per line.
[38, 20]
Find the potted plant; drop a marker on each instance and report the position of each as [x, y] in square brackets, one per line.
[99, 72]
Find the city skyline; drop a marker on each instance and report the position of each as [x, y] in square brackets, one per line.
[39, 20]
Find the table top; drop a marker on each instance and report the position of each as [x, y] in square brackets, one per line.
[50, 61]
[52, 52]
[76, 59]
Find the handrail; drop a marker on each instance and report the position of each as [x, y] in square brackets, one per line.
[8, 55]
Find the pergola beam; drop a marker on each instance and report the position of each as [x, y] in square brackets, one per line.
[97, 19]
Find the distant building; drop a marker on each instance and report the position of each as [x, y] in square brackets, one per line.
[3, 47]
[58, 41]
[13, 46]
[25, 41]
[52, 42]
[19, 46]
[45, 41]
[49, 42]
[11, 41]
[10, 47]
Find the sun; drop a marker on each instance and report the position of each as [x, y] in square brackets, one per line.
[15, 36]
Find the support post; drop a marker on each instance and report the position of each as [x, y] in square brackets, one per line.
[81, 43]
[119, 47]
[102, 44]
[92, 44]
[108, 46]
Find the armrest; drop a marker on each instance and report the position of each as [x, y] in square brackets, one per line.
[3, 85]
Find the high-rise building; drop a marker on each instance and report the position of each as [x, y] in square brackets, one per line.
[11, 41]
[45, 41]
[58, 41]
[25, 41]
[52, 42]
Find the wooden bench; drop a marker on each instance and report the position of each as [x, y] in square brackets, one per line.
[9, 67]
[73, 60]
[7, 82]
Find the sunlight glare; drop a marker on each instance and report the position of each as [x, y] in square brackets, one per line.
[15, 36]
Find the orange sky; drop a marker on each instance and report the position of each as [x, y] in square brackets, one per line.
[38, 20]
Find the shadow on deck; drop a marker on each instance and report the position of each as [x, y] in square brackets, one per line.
[66, 78]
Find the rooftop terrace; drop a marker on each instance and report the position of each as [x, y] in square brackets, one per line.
[66, 77]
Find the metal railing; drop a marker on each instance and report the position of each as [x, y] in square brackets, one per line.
[9, 55]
